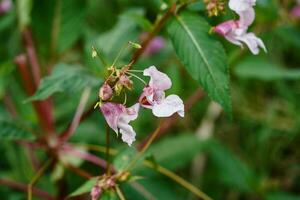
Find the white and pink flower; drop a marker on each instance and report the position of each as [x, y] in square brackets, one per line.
[118, 117]
[235, 31]
[153, 96]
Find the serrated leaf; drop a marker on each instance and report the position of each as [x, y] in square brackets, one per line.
[10, 130]
[65, 78]
[84, 188]
[203, 56]
[264, 69]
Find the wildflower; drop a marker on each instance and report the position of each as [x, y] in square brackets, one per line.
[5, 6]
[118, 116]
[105, 92]
[295, 12]
[155, 45]
[96, 192]
[153, 96]
[235, 31]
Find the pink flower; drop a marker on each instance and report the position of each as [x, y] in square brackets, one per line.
[96, 192]
[5, 6]
[235, 31]
[155, 45]
[118, 116]
[153, 96]
[295, 12]
[105, 92]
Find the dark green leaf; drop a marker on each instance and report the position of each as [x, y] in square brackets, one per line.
[65, 78]
[10, 130]
[84, 188]
[203, 57]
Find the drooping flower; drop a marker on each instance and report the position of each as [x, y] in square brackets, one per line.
[5, 6]
[235, 31]
[153, 96]
[118, 117]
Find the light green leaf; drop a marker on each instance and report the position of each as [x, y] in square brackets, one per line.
[65, 78]
[84, 188]
[187, 146]
[264, 69]
[203, 56]
[10, 130]
[125, 30]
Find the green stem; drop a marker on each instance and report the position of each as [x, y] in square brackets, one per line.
[178, 180]
[119, 193]
[36, 177]
[140, 154]
[102, 60]
[135, 76]
[107, 151]
[124, 47]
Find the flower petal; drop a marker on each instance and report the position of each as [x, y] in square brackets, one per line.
[252, 42]
[128, 134]
[241, 5]
[246, 17]
[169, 106]
[158, 80]
[111, 113]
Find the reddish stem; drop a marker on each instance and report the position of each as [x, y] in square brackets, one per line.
[22, 187]
[42, 108]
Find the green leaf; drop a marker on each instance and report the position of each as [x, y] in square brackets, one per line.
[84, 188]
[122, 160]
[65, 78]
[10, 130]
[279, 195]
[6, 70]
[264, 69]
[71, 23]
[231, 171]
[203, 56]
[125, 30]
[187, 146]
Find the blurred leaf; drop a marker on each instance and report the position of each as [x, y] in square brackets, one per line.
[71, 22]
[65, 78]
[125, 30]
[5, 72]
[289, 34]
[85, 187]
[123, 159]
[203, 57]
[231, 171]
[187, 146]
[109, 195]
[264, 69]
[281, 196]
[10, 130]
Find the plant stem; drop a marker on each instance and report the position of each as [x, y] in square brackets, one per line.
[119, 193]
[178, 180]
[36, 177]
[120, 53]
[135, 76]
[140, 154]
[22, 187]
[107, 151]
[102, 60]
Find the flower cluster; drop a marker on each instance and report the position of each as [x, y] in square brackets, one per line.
[153, 97]
[235, 31]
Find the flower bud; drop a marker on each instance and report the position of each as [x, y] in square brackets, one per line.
[105, 92]
[126, 82]
[96, 192]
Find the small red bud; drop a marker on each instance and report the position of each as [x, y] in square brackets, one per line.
[105, 92]
[96, 192]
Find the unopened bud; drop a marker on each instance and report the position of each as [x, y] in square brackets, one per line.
[118, 88]
[96, 192]
[105, 92]
[126, 82]
[135, 45]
